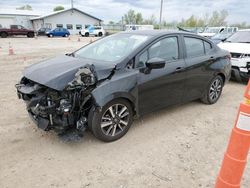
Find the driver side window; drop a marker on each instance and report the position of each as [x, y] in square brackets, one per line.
[166, 49]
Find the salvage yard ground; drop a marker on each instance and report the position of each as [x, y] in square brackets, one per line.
[179, 147]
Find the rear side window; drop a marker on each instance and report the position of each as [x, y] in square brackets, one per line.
[194, 47]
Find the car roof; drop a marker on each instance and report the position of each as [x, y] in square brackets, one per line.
[155, 32]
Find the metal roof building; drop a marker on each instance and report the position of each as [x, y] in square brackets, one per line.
[17, 17]
[73, 19]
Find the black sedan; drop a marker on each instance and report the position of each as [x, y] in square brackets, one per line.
[43, 31]
[106, 84]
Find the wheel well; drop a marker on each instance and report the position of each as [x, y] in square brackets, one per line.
[223, 77]
[4, 32]
[131, 103]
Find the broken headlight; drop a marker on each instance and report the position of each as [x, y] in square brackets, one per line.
[83, 77]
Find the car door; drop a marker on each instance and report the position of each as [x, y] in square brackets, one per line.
[161, 87]
[14, 30]
[56, 32]
[199, 55]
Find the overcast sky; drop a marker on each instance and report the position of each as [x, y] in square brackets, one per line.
[173, 10]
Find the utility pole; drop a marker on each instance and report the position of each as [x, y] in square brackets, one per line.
[161, 14]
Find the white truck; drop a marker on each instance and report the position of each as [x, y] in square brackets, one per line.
[239, 47]
[211, 31]
[138, 27]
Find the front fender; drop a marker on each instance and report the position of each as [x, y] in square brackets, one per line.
[123, 84]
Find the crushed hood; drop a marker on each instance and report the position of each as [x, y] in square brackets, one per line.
[243, 48]
[56, 73]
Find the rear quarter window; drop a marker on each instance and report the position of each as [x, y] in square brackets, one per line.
[208, 47]
[194, 47]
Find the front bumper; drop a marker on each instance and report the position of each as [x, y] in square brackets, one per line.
[41, 123]
[239, 75]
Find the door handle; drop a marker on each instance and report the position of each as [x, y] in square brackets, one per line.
[212, 58]
[178, 69]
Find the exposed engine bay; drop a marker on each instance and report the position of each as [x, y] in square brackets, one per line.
[60, 110]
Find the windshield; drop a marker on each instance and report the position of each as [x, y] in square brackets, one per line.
[112, 48]
[240, 37]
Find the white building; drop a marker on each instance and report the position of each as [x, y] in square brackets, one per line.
[72, 19]
[17, 17]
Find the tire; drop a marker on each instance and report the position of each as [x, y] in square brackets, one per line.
[86, 34]
[50, 35]
[66, 35]
[4, 34]
[108, 126]
[30, 35]
[100, 34]
[213, 91]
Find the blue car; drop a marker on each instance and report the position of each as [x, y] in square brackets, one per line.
[58, 32]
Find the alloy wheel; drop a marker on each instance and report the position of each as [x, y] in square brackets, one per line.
[115, 119]
[215, 90]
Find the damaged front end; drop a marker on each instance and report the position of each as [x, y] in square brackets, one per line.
[60, 110]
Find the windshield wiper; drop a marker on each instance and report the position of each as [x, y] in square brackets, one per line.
[244, 42]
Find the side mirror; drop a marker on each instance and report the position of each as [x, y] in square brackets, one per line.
[155, 63]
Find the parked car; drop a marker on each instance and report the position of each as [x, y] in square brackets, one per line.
[211, 31]
[92, 30]
[43, 31]
[220, 37]
[107, 83]
[239, 47]
[58, 32]
[16, 30]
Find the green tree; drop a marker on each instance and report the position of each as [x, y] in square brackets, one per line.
[151, 20]
[58, 8]
[138, 18]
[191, 22]
[218, 18]
[111, 22]
[130, 17]
[25, 7]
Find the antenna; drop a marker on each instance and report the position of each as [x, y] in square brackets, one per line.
[72, 4]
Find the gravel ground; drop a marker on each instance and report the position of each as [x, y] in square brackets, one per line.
[178, 147]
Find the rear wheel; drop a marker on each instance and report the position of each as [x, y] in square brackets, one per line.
[213, 91]
[113, 122]
[4, 34]
[100, 34]
[66, 35]
[86, 34]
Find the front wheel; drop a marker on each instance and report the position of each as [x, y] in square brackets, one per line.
[113, 122]
[213, 91]
[30, 35]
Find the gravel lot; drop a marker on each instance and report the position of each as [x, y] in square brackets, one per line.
[178, 147]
